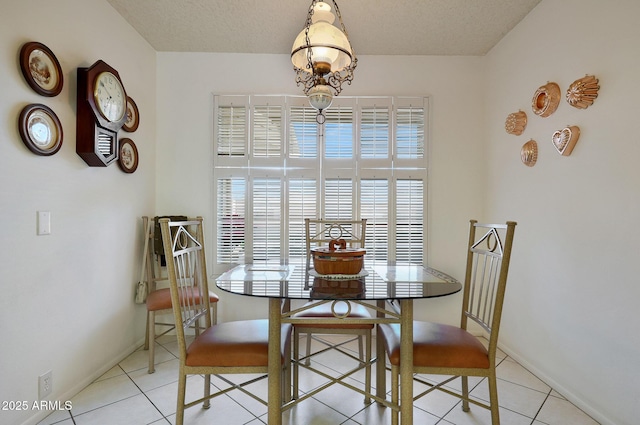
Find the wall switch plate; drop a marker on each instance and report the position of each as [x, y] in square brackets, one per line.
[45, 385]
[44, 223]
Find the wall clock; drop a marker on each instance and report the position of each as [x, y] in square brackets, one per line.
[101, 112]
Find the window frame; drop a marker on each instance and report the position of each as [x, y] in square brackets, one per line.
[290, 168]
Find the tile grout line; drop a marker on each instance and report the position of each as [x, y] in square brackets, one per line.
[541, 406]
[144, 393]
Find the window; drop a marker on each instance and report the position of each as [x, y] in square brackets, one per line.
[274, 166]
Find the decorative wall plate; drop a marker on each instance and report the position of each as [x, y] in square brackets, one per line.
[41, 69]
[516, 123]
[133, 116]
[529, 153]
[546, 99]
[128, 156]
[40, 129]
[583, 91]
[564, 140]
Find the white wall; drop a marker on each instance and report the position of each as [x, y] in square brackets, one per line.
[188, 81]
[571, 306]
[570, 303]
[67, 298]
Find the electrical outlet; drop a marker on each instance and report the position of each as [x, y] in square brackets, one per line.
[45, 385]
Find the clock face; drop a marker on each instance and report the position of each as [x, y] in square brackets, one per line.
[110, 97]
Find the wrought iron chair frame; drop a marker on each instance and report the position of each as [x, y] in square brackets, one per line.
[487, 267]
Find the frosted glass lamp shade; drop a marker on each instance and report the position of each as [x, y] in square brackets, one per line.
[328, 44]
[320, 97]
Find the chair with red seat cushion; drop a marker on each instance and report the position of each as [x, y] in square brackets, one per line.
[240, 347]
[440, 349]
[159, 299]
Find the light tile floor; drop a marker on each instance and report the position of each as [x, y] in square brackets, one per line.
[128, 395]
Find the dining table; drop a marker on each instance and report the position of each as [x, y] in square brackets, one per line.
[387, 288]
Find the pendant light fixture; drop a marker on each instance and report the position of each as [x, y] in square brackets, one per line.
[322, 56]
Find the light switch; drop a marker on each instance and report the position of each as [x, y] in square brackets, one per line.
[44, 223]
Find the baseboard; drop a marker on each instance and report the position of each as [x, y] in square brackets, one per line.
[70, 393]
[559, 388]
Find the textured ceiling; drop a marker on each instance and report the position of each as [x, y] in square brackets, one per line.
[399, 27]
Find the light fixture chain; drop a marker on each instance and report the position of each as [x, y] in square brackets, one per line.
[307, 40]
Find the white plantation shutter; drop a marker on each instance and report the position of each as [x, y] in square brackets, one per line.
[302, 204]
[409, 221]
[338, 199]
[230, 211]
[338, 132]
[267, 131]
[266, 219]
[374, 206]
[374, 131]
[232, 130]
[410, 121]
[274, 166]
[303, 132]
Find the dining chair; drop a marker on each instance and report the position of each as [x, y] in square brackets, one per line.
[441, 349]
[238, 347]
[319, 232]
[158, 301]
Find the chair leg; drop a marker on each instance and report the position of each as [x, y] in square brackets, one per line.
[182, 386]
[207, 391]
[367, 370]
[151, 336]
[286, 383]
[146, 333]
[214, 313]
[465, 393]
[307, 361]
[296, 359]
[493, 400]
[395, 393]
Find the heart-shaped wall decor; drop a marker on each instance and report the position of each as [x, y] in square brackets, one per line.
[564, 140]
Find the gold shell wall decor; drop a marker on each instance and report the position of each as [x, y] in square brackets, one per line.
[516, 123]
[546, 99]
[582, 92]
[564, 140]
[529, 153]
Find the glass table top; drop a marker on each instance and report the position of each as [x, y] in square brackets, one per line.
[374, 282]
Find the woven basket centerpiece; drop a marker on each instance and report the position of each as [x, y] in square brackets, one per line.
[338, 259]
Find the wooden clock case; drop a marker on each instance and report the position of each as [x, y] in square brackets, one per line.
[96, 137]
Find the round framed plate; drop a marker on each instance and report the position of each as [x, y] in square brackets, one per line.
[133, 116]
[40, 129]
[41, 69]
[128, 156]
